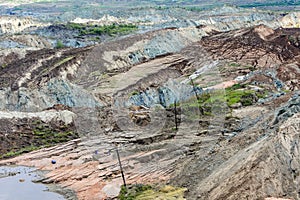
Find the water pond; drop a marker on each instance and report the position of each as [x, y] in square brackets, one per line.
[16, 183]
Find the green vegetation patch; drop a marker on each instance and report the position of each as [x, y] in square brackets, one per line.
[217, 99]
[46, 136]
[114, 29]
[19, 152]
[36, 135]
[64, 61]
[59, 44]
[133, 93]
[238, 94]
[147, 192]
[234, 65]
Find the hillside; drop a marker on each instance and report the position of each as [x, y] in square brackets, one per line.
[200, 104]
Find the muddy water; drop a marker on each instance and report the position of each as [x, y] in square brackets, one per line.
[16, 184]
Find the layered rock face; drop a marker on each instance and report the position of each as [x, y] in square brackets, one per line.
[53, 76]
[260, 46]
[195, 107]
[11, 24]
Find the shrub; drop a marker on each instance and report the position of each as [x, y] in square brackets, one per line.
[59, 44]
[132, 192]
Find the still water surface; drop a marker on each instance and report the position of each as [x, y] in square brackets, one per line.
[16, 184]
